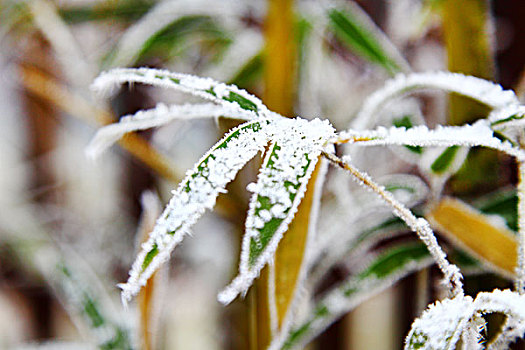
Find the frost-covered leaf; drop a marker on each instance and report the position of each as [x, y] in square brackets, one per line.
[478, 89]
[196, 193]
[384, 270]
[443, 323]
[280, 187]
[509, 123]
[158, 116]
[477, 134]
[220, 93]
[354, 28]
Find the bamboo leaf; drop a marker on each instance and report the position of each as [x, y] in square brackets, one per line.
[158, 116]
[481, 90]
[168, 42]
[127, 11]
[196, 193]
[157, 21]
[384, 270]
[280, 187]
[443, 323]
[222, 94]
[478, 134]
[352, 26]
[493, 244]
[80, 292]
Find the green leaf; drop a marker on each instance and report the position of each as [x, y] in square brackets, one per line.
[250, 72]
[361, 39]
[445, 160]
[82, 296]
[172, 40]
[385, 269]
[123, 10]
[196, 193]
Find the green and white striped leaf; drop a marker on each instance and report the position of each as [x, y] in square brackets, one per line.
[444, 323]
[206, 88]
[384, 270]
[280, 187]
[354, 28]
[196, 193]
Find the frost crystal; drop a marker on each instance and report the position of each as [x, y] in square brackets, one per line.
[281, 184]
[195, 194]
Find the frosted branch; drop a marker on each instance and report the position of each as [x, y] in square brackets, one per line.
[419, 225]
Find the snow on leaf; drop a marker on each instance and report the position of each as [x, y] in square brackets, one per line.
[478, 89]
[209, 89]
[477, 134]
[158, 116]
[280, 188]
[384, 270]
[441, 325]
[196, 193]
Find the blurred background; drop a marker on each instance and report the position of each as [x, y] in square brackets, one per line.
[60, 212]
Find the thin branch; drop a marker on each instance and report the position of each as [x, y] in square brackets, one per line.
[419, 225]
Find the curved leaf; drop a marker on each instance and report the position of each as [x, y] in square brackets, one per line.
[196, 193]
[280, 188]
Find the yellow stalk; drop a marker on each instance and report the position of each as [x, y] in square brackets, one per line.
[466, 30]
[476, 233]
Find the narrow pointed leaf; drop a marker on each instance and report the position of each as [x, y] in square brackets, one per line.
[443, 323]
[384, 270]
[493, 244]
[196, 193]
[478, 134]
[280, 188]
[209, 89]
[352, 26]
[158, 116]
[81, 296]
[481, 90]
